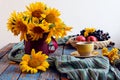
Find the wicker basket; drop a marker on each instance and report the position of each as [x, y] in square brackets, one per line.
[97, 45]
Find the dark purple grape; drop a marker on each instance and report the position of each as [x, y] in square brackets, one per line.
[112, 43]
[107, 33]
[77, 34]
[90, 34]
[82, 32]
[108, 37]
[98, 30]
[101, 31]
[101, 38]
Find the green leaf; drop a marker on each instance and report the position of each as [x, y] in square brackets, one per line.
[52, 25]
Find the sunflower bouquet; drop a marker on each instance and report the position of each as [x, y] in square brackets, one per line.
[33, 24]
[37, 20]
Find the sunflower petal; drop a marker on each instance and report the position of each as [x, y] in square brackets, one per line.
[45, 64]
[28, 69]
[43, 15]
[23, 62]
[41, 68]
[33, 71]
[33, 53]
[26, 57]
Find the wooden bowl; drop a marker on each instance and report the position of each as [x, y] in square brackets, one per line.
[97, 44]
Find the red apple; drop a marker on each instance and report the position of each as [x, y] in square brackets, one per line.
[92, 38]
[80, 38]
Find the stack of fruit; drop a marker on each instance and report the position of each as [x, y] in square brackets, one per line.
[99, 38]
[94, 35]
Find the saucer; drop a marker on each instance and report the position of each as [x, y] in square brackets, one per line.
[76, 54]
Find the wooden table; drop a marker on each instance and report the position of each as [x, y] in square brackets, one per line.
[10, 70]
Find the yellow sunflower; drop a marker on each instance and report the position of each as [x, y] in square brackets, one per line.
[52, 15]
[105, 51]
[57, 30]
[37, 30]
[11, 24]
[61, 29]
[88, 30]
[17, 24]
[86, 33]
[50, 35]
[37, 9]
[113, 54]
[34, 62]
[36, 21]
[65, 29]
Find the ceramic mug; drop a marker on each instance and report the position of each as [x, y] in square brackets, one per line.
[85, 48]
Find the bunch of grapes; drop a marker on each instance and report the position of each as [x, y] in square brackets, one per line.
[99, 34]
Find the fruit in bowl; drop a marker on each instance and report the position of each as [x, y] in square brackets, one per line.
[92, 38]
[99, 38]
[80, 38]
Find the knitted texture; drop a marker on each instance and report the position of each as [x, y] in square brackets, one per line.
[94, 68]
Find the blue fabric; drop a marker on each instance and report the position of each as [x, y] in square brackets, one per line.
[17, 52]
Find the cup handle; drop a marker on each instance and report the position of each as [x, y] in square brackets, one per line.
[54, 42]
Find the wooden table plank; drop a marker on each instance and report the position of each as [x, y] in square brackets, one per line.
[68, 50]
[4, 63]
[3, 66]
[28, 76]
[11, 73]
[4, 59]
[50, 75]
[6, 49]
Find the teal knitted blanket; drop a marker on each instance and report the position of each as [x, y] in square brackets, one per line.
[93, 68]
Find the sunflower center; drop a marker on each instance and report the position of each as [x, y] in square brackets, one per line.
[38, 30]
[37, 13]
[34, 63]
[22, 26]
[50, 18]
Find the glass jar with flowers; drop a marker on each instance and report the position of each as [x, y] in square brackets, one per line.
[37, 26]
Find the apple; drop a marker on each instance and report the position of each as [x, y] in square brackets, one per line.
[92, 38]
[80, 38]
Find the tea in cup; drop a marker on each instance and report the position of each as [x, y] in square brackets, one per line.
[85, 48]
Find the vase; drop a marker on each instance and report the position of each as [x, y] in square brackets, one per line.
[39, 45]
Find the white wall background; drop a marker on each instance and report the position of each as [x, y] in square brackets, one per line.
[101, 14]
